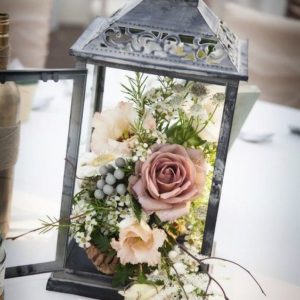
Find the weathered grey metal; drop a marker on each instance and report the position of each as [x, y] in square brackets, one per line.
[82, 278]
[44, 74]
[97, 97]
[83, 284]
[79, 77]
[219, 168]
[98, 87]
[168, 34]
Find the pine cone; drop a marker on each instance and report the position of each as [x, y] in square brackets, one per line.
[104, 263]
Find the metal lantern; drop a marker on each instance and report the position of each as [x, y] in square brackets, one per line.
[175, 38]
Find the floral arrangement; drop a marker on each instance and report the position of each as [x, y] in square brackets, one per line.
[143, 190]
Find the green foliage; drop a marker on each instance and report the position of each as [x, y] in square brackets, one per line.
[80, 195]
[142, 279]
[101, 241]
[129, 168]
[184, 133]
[49, 224]
[135, 92]
[123, 274]
[137, 209]
[143, 135]
[89, 183]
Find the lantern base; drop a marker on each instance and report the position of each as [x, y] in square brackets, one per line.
[82, 285]
[80, 277]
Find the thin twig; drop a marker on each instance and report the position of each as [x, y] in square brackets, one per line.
[234, 263]
[182, 247]
[47, 225]
[179, 282]
[208, 285]
[200, 261]
[218, 284]
[28, 232]
[209, 119]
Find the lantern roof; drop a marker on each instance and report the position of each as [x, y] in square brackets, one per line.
[181, 36]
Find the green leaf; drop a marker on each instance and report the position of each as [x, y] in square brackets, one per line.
[143, 280]
[194, 140]
[184, 134]
[159, 282]
[173, 229]
[101, 241]
[137, 209]
[122, 275]
[112, 253]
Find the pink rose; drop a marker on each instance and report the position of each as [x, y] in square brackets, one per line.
[169, 180]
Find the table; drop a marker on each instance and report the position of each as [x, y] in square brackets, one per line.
[258, 223]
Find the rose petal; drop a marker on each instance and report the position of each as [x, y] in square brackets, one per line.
[176, 212]
[174, 149]
[146, 201]
[175, 192]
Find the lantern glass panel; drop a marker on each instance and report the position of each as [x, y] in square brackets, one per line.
[46, 166]
[39, 172]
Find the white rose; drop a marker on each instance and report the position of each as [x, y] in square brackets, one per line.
[140, 292]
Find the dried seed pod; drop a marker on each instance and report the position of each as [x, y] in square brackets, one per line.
[103, 262]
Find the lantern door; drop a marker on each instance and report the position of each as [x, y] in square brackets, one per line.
[51, 110]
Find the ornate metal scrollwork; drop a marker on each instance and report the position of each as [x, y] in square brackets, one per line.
[202, 49]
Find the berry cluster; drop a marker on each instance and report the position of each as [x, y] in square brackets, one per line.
[112, 180]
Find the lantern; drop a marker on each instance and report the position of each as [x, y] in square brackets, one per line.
[179, 39]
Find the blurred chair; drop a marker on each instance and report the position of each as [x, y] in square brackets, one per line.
[293, 9]
[274, 52]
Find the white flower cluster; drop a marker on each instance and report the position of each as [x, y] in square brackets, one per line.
[140, 151]
[83, 221]
[160, 138]
[169, 110]
[186, 267]
[85, 218]
[119, 209]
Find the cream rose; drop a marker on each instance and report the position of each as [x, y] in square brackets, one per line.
[169, 180]
[113, 130]
[138, 243]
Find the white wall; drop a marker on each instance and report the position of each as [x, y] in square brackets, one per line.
[80, 12]
[276, 7]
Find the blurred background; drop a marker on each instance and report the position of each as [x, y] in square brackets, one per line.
[43, 31]
[261, 187]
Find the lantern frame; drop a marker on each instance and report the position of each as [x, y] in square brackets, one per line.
[78, 76]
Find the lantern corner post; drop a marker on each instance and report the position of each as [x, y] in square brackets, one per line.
[219, 169]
